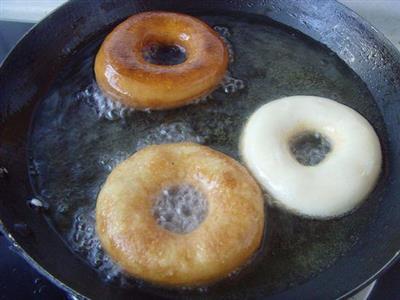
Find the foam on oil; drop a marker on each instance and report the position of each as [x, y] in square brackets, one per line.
[180, 209]
[79, 136]
[85, 241]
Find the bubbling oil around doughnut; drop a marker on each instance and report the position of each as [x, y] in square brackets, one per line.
[180, 209]
[104, 107]
[84, 241]
[174, 132]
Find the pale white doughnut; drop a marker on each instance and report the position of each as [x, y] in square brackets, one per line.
[331, 188]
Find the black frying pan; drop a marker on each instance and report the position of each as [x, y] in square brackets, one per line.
[33, 66]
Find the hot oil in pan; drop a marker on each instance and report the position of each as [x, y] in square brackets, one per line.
[78, 138]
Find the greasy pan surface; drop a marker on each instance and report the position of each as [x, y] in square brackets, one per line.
[30, 69]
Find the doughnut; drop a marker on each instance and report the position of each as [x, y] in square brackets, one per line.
[124, 74]
[314, 156]
[180, 215]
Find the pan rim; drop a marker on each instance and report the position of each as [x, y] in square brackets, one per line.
[59, 283]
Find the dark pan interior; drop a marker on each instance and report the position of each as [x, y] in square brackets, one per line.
[34, 67]
[86, 146]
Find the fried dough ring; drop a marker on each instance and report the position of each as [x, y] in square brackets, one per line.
[229, 235]
[123, 73]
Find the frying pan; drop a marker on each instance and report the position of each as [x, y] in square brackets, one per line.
[33, 65]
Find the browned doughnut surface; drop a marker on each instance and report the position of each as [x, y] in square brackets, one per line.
[228, 236]
[123, 73]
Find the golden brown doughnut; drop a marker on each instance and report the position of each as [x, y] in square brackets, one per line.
[123, 73]
[228, 236]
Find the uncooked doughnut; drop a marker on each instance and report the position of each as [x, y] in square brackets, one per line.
[340, 175]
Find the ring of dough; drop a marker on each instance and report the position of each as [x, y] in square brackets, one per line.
[331, 188]
[123, 73]
[229, 235]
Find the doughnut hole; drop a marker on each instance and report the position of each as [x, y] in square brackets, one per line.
[180, 209]
[309, 148]
[164, 54]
